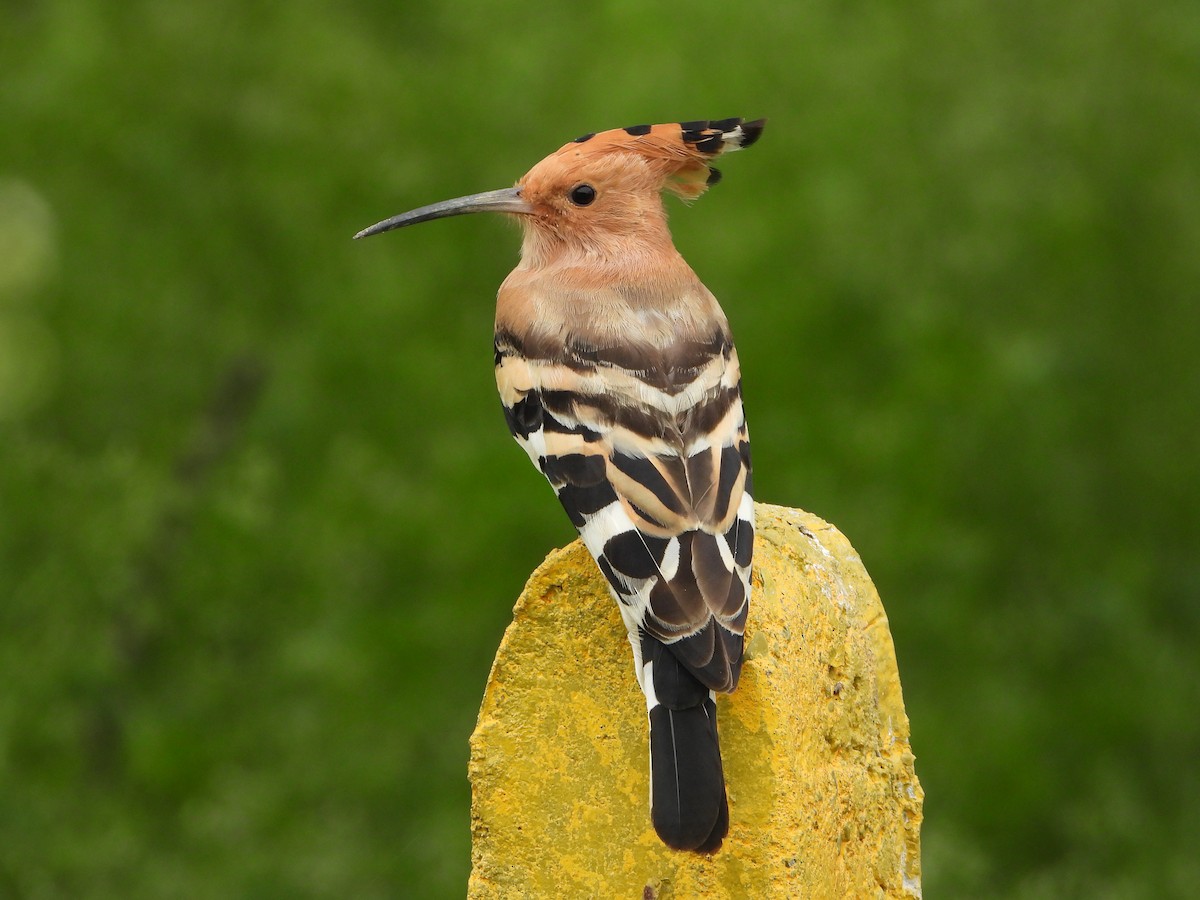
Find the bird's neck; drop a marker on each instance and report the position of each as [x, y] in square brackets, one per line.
[643, 242]
[579, 298]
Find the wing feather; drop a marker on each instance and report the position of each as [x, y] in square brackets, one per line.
[657, 480]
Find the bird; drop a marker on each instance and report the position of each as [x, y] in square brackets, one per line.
[619, 378]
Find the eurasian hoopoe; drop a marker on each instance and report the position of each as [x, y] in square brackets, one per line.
[620, 380]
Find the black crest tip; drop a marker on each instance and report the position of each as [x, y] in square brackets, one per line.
[752, 131]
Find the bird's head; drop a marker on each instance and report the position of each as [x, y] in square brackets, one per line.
[603, 190]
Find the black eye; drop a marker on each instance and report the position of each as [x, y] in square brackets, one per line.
[582, 194]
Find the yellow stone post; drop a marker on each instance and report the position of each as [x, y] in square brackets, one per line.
[824, 801]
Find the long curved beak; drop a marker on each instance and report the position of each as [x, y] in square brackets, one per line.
[507, 200]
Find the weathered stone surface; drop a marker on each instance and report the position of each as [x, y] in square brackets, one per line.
[824, 801]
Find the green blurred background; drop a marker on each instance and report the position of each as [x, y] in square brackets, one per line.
[261, 525]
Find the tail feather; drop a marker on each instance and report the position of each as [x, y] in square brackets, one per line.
[720, 827]
[687, 803]
[687, 782]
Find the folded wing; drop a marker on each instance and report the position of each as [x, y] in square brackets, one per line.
[652, 465]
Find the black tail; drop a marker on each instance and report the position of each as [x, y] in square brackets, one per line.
[687, 803]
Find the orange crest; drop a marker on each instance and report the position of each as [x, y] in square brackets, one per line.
[680, 151]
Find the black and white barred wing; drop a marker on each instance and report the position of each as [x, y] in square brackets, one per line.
[657, 479]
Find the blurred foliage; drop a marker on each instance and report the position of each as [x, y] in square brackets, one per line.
[260, 521]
